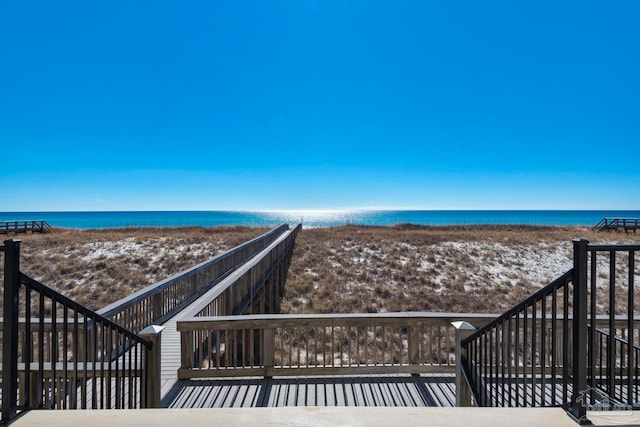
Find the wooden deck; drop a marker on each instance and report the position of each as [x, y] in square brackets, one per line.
[430, 390]
[371, 390]
[388, 390]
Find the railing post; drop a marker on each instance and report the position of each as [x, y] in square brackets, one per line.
[187, 359]
[151, 380]
[156, 306]
[579, 351]
[268, 348]
[463, 392]
[10, 329]
[414, 344]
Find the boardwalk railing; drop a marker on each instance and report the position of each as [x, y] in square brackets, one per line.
[158, 302]
[63, 355]
[254, 288]
[577, 334]
[320, 344]
[24, 226]
[626, 224]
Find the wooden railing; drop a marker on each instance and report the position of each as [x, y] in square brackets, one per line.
[626, 224]
[24, 226]
[322, 344]
[158, 302]
[254, 288]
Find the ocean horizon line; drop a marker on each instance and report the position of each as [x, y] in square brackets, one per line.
[365, 209]
[315, 218]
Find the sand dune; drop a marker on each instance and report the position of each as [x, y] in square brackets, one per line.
[343, 269]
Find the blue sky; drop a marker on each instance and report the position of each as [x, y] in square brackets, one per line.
[301, 104]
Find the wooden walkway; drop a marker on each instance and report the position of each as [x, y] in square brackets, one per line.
[170, 353]
[615, 224]
[24, 226]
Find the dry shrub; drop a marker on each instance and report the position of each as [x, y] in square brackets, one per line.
[342, 269]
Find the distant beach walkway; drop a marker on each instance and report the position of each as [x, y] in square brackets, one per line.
[24, 226]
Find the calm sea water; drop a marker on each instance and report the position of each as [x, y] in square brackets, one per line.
[312, 218]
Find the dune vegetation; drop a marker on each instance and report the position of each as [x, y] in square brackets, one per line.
[413, 268]
[342, 269]
[98, 267]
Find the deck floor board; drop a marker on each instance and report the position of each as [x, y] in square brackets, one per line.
[410, 391]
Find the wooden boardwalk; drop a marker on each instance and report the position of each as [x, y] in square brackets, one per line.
[24, 226]
[615, 224]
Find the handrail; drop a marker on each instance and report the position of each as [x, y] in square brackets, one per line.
[238, 290]
[599, 247]
[535, 297]
[320, 344]
[332, 319]
[82, 310]
[616, 338]
[517, 349]
[151, 305]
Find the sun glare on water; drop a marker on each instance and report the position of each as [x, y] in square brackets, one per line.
[319, 217]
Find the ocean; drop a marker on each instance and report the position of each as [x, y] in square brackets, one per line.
[315, 218]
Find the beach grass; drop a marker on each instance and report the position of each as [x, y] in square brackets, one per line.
[334, 270]
[415, 268]
[98, 267]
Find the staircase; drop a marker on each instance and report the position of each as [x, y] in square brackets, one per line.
[573, 344]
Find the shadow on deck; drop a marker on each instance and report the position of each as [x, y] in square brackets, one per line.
[436, 390]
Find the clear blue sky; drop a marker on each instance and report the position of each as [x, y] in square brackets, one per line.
[303, 104]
